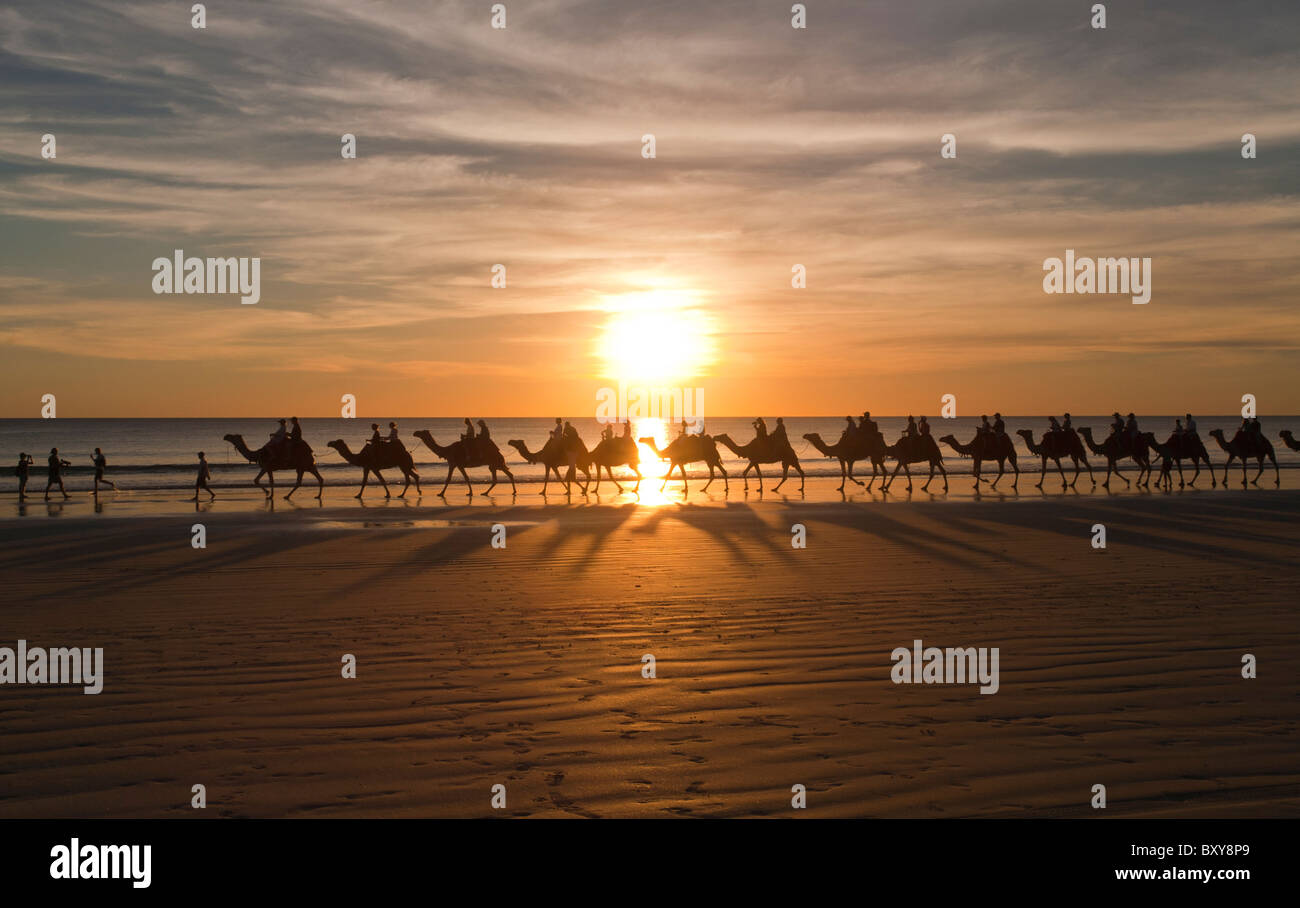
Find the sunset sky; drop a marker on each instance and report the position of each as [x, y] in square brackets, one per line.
[522, 146]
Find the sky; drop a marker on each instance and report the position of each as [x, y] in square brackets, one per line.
[523, 146]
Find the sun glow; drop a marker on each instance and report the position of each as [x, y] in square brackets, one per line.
[655, 336]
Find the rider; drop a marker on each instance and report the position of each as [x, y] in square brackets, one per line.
[1131, 427]
[868, 423]
[279, 437]
[392, 432]
[999, 427]
[1054, 427]
[985, 427]
[1117, 427]
[911, 426]
[924, 426]
[1189, 427]
[295, 433]
[778, 434]
[375, 438]
[627, 428]
[1065, 423]
[760, 428]
[558, 431]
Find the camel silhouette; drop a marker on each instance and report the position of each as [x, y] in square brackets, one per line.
[1056, 445]
[851, 448]
[296, 455]
[558, 452]
[987, 447]
[1114, 449]
[1287, 437]
[689, 449]
[916, 449]
[373, 458]
[1243, 445]
[1177, 449]
[615, 452]
[772, 449]
[481, 452]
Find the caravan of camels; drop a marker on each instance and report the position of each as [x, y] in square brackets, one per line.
[861, 441]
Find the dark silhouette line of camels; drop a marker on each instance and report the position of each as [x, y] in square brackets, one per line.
[570, 454]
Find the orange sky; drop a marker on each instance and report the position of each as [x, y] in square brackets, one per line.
[774, 147]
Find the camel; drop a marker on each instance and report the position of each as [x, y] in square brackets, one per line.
[851, 448]
[373, 458]
[556, 453]
[914, 449]
[1245, 445]
[482, 452]
[987, 447]
[296, 455]
[1114, 450]
[1177, 449]
[1287, 437]
[772, 449]
[1055, 446]
[689, 449]
[614, 452]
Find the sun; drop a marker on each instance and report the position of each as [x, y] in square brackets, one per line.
[655, 336]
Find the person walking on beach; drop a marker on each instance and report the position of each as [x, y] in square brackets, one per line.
[100, 462]
[24, 463]
[201, 482]
[57, 464]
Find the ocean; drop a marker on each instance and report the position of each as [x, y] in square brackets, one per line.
[160, 454]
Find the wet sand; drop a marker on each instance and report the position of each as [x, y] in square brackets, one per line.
[522, 666]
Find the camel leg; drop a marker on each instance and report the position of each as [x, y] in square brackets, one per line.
[257, 482]
[465, 476]
[1061, 470]
[511, 477]
[1075, 480]
[667, 475]
[785, 474]
[686, 489]
[1002, 468]
[1255, 481]
[1196, 462]
[745, 477]
[365, 475]
[710, 482]
[929, 479]
[320, 483]
[384, 483]
[907, 470]
[295, 486]
[1181, 484]
[493, 484]
[843, 480]
[451, 468]
[798, 469]
[758, 471]
[406, 476]
[1277, 474]
[1015, 465]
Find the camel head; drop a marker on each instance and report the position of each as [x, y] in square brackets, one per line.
[518, 445]
[424, 435]
[650, 443]
[1026, 434]
[1285, 434]
[238, 441]
[949, 440]
[1216, 433]
[337, 444]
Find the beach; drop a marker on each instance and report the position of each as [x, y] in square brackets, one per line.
[522, 666]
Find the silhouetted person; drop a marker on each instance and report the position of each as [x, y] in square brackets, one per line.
[1131, 427]
[627, 428]
[924, 426]
[1179, 431]
[999, 427]
[24, 463]
[56, 465]
[295, 430]
[201, 481]
[558, 431]
[1190, 426]
[100, 462]
[1065, 423]
[1053, 426]
[760, 428]
[778, 434]
[986, 428]
[1117, 427]
[392, 432]
[280, 437]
